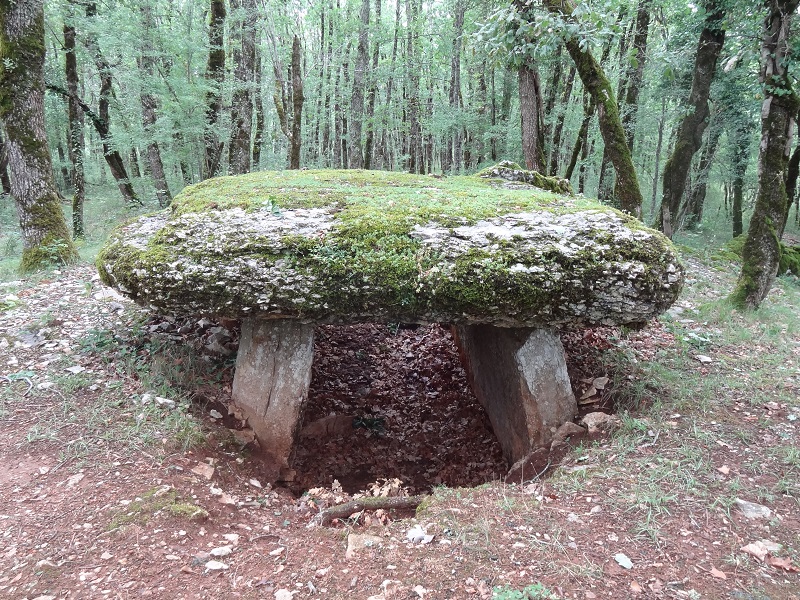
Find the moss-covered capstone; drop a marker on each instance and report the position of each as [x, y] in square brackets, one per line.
[350, 246]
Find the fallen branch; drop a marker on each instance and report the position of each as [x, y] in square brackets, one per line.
[370, 503]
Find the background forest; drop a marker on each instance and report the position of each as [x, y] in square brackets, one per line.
[166, 93]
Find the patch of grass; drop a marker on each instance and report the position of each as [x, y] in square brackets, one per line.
[158, 502]
[535, 591]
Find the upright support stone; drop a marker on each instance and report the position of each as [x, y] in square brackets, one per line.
[520, 378]
[273, 373]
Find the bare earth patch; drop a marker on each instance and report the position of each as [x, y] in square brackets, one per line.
[109, 490]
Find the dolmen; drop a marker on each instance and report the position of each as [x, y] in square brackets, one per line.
[505, 263]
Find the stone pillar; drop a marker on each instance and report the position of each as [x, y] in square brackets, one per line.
[520, 378]
[273, 372]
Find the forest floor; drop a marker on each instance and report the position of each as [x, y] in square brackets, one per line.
[123, 476]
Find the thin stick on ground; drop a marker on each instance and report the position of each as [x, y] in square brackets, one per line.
[341, 511]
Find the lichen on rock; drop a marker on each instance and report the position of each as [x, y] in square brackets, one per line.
[354, 246]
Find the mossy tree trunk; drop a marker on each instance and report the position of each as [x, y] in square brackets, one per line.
[692, 211]
[215, 77]
[596, 83]
[690, 131]
[531, 112]
[76, 140]
[239, 153]
[289, 102]
[761, 252]
[45, 236]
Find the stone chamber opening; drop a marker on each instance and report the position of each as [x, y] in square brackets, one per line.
[386, 401]
[393, 401]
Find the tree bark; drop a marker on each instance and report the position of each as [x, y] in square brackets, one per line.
[583, 132]
[555, 146]
[102, 121]
[369, 141]
[215, 78]
[258, 107]
[630, 108]
[454, 146]
[239, 152]
[413, 70]
[149, 106]
[45, 237]
[76, 140]
[596, 83]
[692, 213]
[297, 106]
[761, 252]
[657, 158]
[690, 131]
[530, 107]
[359, 78]
[5, 180]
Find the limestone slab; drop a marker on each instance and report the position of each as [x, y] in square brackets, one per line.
[520, 378]
[270, 386]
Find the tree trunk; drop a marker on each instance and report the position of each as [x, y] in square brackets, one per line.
[552, 94]
[5, 180]
[215, 78]
[657, 159]
[369, 141]
[692, 213]
[76, 140]
[595, 82]
[239, 152]
[45, 237]
[761, 252]
[412, 60]
[530, 107]
[630, 106]
[583, 132]
[357, 100]
[66, 177]
[690, 131]
[258, 107]
[149, 105]
[297, 106]
[102, 121]
[454, 158]
[555, 147]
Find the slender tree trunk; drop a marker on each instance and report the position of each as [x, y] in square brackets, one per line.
[692, 213]
[239, 151]
[101, 121]
[454, 151]
[413, 76]
[297, 106]
[385, 143]
[359, 78]
[657, 159]
[344, 121]
[630, 107]
[369, 142]
[583, 133]
[328, 64]
[555, 147]
[4, 178]
[215, 78]
[530, 107]
[66, 177]
[552, 94]
[690, 131]
[133, 163]
[596, 83]
[76, 140]
[761, 252]
[258, 107]
[149, 107]
[45, 236]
